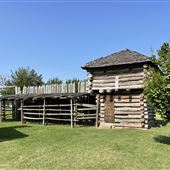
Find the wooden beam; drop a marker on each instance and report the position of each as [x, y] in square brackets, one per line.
[71, 111]
[22, 113]
[97, 109]
[44, 112]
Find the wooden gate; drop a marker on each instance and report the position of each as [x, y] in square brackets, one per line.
[109, 109]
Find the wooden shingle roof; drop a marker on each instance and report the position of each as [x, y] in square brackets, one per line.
[120, 58]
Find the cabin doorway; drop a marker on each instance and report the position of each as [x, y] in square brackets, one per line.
[109, 109]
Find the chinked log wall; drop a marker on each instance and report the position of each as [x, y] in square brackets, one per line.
[108, 80]
[130, 108]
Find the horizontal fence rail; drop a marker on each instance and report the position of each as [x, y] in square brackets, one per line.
[80, 87]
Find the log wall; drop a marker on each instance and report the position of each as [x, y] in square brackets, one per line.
[128, 110]
[108, 80]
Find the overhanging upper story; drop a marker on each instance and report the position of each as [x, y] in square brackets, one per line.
[122, 70]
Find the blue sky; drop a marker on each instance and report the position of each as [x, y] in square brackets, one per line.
[56, 38]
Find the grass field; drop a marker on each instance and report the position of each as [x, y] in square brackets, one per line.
[60, 147]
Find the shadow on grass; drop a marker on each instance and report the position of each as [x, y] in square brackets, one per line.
[11, 133]
[162, 139]
[160, 123]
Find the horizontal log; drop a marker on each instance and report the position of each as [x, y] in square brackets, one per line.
[119, 112]
[41, 106]
[103, 89]
[102, 104]
[127, 83]
[58, 114]
[85, 118]
[131, 78]
[50, 118]
[105, 81]
[81, 109]
[129, 120]
[29, 113]
[127, 104]
[127, 100]
[87, 105]
[120, 76]
[102, 100]
[32, 118]
[123, 71]
[127, 116]
[30, 109]
[128, 95]
[126, 109]
[58, 110]
[85, 115]
[133, 86]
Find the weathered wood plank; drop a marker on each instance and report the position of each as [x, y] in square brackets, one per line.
[129, 120]
[33, 118]
[126, 109]
[127, 104]
[127, 116]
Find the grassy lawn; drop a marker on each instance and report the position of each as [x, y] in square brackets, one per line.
[59, 147]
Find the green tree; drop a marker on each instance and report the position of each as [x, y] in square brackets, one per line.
[157, 86]
[54, 80]
[25, 77]
[6, 86]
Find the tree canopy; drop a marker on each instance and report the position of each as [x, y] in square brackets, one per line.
[54, 80]
[157, 86]
[25, 77]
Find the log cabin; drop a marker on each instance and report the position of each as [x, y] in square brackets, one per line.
[118, 82]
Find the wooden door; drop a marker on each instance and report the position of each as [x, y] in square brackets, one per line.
[109, 109]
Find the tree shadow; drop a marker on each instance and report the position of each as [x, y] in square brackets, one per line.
[162, 139]
[160, 123]
[11, 133]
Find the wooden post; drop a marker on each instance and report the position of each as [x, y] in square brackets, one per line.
[75, 111]
[44, 112]
[3, 106]
[22, 113]
[13, 110]
[0, 110]
[97, 110]
[71, 111]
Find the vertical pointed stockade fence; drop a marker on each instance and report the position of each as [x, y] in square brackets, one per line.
[79, 87]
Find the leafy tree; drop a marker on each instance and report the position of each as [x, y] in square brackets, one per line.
[6, 86]
[54, 80]
[25, 77]
[157, 86]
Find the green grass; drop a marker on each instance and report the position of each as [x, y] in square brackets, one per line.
[60, 147]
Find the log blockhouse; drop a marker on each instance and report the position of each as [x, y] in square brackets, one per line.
[118, 80]
[114, 97]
